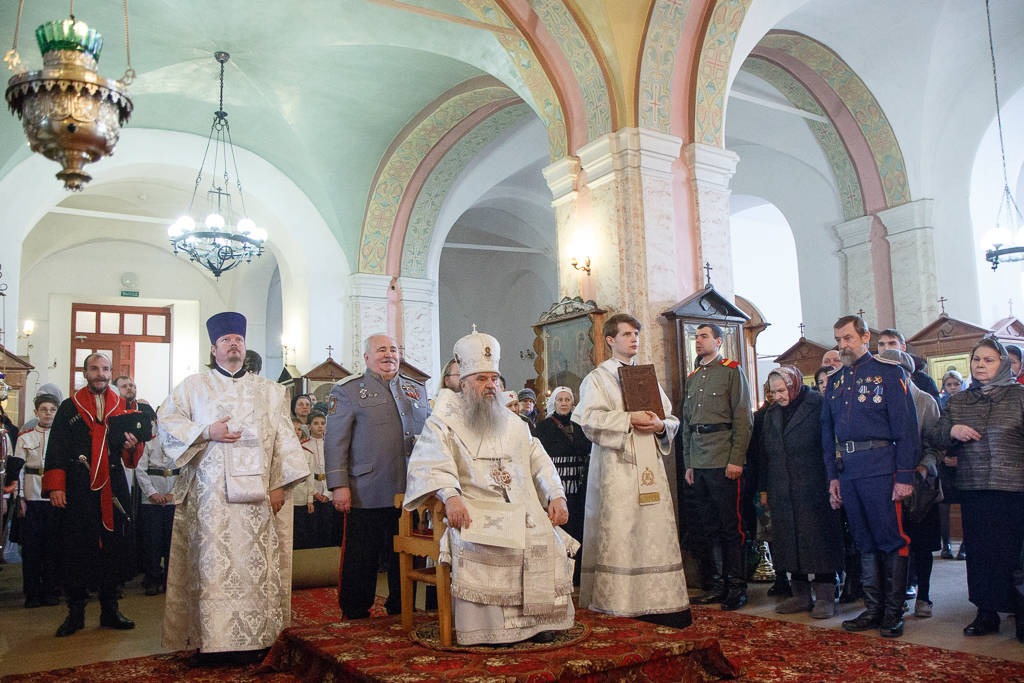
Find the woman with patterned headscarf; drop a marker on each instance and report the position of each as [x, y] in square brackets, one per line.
[806, 534]
[983, 428]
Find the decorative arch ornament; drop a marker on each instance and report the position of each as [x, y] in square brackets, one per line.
[586, 67]
[712, 74]
[390, 183]
[548, 105]
[857, 98]
[850, 194]
[657, 64]
[431, 197]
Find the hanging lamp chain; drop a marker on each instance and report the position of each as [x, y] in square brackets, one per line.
[129, 73]
[13, 60]
[1007, 199]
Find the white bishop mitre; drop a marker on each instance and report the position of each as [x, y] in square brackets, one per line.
[477, 352]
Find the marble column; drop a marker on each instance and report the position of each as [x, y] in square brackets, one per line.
[368, 302]
[618, 213]
[418, 306]
[858, 275]
[912, 250]
[711, 168]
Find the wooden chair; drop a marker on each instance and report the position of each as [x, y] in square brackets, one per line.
[424, 542]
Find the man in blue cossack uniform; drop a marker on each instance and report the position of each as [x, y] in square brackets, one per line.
[871, 442]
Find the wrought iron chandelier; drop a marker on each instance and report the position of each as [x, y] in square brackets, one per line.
[997, 240]
[222, 245]
[70, 113]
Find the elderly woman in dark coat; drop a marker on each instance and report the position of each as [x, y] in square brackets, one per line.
[983, 428]
[806, 534]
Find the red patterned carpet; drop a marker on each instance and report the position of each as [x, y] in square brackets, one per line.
[766, 651]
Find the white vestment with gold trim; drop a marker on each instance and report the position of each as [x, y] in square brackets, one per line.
[500, 594]
[229, 575]
[631, 560]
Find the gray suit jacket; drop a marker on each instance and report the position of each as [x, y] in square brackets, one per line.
[372, 425]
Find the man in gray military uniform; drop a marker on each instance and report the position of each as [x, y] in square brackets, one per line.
[373, 420]
[714, 431]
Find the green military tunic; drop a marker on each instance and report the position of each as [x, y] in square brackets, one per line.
[716, 394]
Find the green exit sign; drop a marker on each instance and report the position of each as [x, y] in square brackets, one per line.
[129, 293]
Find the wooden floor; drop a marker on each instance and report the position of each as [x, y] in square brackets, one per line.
[27, 642]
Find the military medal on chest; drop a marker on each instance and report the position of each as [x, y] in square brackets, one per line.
[863, 391]
[878, 394]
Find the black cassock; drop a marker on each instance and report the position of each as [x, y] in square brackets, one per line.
[571, 458]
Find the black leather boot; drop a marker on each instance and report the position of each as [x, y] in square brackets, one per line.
[781, 586]
[871, 580]
[715, 593]
[111, 617]
[735, 566]
[896, 571]
[984, 623]
[75, 620]
[852, 588]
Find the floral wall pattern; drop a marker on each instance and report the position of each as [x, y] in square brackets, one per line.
[431, 197]
[861, 103]
[548, 107]
[379, 220]
[668, 19]
[828, 138]
[713, 71]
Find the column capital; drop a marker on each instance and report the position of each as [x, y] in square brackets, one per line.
[651, 152]
[370, 286]
[712, 166]
[563, 179]
[417, 289]
[909, 216]
[855, 233]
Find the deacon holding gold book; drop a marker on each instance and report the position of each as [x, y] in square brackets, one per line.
[631, 561]
[511, 574]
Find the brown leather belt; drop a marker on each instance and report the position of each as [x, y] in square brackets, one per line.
[710, 429]
[320, 477]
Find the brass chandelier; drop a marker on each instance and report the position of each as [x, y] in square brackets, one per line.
[223, 244]
[70, 113]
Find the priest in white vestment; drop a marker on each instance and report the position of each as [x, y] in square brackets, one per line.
[632, 566]
[510, 565]
[230, 432]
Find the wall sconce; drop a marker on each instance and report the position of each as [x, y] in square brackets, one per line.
[29, 328]
[575, 262]
[527, 355]
[288, 345]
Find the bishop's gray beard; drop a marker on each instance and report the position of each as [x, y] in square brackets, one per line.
[483, 414]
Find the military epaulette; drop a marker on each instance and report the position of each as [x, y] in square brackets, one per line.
[887, 361]
[25, 431]
[348, 379]
[414, 381]
[730, 363]
[833, 371]
[692, 374]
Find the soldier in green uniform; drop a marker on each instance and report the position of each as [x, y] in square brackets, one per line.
[713, 438]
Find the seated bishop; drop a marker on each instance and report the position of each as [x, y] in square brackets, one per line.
[510, 562]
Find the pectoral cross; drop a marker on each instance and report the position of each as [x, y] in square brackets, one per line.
[329, 349]
[942, 302]
[708, 269]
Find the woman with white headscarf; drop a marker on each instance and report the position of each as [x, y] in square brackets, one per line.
[569, 449]
[983, 427]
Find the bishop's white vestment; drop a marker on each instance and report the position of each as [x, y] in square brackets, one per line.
[500, 594]
[631, 560]
[229, 575]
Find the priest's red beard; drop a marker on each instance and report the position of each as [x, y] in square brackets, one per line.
[483, 414]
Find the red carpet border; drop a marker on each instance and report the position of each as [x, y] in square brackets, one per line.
[766, 651]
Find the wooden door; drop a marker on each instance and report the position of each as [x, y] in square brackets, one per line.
[114, 331]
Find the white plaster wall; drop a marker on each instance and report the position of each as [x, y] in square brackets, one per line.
[810, 204]
[49, 288]
[314, 270]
